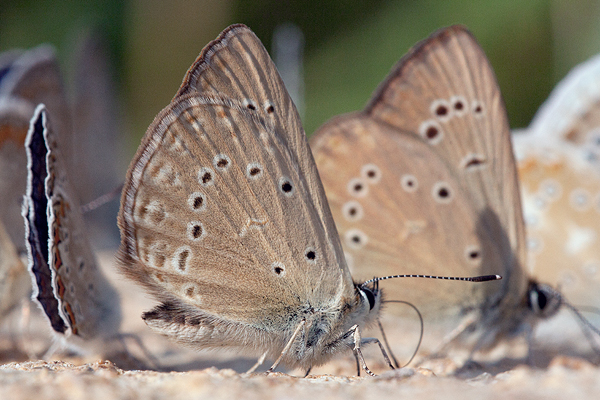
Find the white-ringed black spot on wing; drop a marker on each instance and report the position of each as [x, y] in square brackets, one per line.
[459, 105]
[431, 131]
[409, 183]
[278, 268]
[442, 193]
[310, 255]
[352, 211]
[355, 238]
[551, 189]
[250, 104]
[357, 187]
[477, 109]
[181, 258]
[254, 170]
[197, 201]
[190, 291]
[195, 231]
[371, 173]
[473, 162]
[221, 162]
[473, 254]
[154, 212]
[269, 107]
[580, 199]
[206, 176]
[442, 110]
[286, 186]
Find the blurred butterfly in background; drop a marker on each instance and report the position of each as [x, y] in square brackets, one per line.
[75, 296]
[26, 78]
[423, 180]
[558, 159]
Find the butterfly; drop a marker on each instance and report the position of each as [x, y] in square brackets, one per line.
[423, 180]
[557, 159]
[224, 219]
[26, 79]
[78, 301]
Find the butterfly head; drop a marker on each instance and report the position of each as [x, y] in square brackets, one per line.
[543, 300]
[369, 294]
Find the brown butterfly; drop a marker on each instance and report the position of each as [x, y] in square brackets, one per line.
[423, 180]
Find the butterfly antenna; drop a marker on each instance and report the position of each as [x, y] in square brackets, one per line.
[102, 200]
[586, 326]
[420, 335]
[483, 278]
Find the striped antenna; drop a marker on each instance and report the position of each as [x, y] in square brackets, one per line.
[484, 278]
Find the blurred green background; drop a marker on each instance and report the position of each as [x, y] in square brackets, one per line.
[350, 45]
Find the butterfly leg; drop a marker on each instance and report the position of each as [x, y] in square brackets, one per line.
[357, 352]
[287, 346]
[257, 364]
[396, 365]
[308, 371]
[451, 337]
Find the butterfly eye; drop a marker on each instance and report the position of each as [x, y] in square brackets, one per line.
[369, 295]
[221, 162]
[197, 201]
[286, 187]
[579, 199]
[431, 131]
[278, 268]
[352, 211]
[357, 187]
[355, 238]
[409, 183]
[543, 300]
[206, 176]
[371, 173]
[442, 193]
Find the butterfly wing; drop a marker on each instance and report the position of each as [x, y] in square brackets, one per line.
[26, 79]
[560, 190]
[71, 289]
[571, 112]
[437, 132]
[223, 216]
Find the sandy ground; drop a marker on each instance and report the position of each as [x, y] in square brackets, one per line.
[173, 372]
